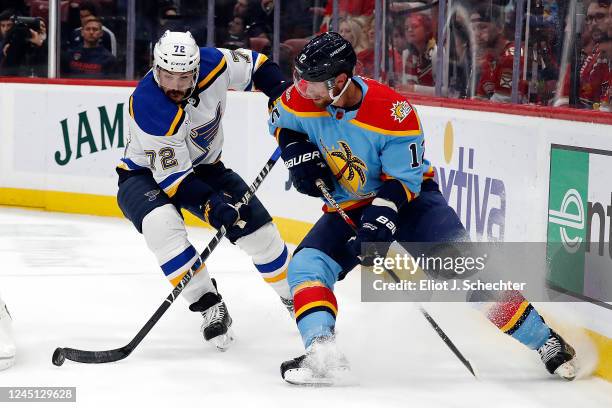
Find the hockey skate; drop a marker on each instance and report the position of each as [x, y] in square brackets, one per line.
[322, 365]
[7, 343]
[288, 303]
[217, 325]
[558, 356]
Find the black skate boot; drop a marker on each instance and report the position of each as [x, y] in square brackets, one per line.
[322, 365]
[558, 356]
[217, 325]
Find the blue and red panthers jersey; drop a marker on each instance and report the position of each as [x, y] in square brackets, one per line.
[382, 139]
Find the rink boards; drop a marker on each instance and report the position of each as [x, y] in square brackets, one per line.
[510, 178]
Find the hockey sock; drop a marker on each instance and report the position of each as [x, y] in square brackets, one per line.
[270, 256]
[516, 317]
[315, 310]
[164, 231]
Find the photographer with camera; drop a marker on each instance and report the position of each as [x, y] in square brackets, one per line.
[24, 50]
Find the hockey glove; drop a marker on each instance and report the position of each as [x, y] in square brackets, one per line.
[305, 164]
[378, 225]
[218, 211]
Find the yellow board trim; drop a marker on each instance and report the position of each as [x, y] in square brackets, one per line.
[603, 345]
[277, 278]
[516, 316]
[304, 114]
[315, 304]
[292, 231]
[385, 131]
[175, 122]
[212, 73]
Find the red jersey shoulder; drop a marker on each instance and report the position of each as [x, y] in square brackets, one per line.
[386, 109]
[292, 99]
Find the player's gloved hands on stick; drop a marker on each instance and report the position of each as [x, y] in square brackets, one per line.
[378, 225]
[219, 211]
[305, 164]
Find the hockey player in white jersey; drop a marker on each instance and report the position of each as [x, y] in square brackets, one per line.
[173, 161]
[7, 341]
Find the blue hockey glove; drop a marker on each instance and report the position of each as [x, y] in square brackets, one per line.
[378, 225]
[305, 164]
[218, 211]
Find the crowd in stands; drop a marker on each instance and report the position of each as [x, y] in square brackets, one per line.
[479, 43]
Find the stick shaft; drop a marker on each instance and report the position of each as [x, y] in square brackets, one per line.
[449, 343]
[84, 356]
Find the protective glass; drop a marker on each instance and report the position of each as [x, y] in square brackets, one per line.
[310, 90]
[180, 81]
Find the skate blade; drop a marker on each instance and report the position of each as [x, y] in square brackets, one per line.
[224, 341]
[567, 370]
[6, 362]
[340, 377]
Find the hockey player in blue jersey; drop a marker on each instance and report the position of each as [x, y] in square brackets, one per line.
[173, 161]
[365, 141]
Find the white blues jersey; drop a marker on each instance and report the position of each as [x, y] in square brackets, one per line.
[170, 138]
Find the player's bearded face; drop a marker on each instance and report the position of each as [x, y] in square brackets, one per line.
[318, 92]
[176, 85]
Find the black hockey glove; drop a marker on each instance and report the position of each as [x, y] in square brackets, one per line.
[378, 225]
[219, 211]
[305, 164]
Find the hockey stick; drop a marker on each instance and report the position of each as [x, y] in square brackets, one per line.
[432, 322]
[107, 356]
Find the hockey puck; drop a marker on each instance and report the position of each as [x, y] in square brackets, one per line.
[58, 356]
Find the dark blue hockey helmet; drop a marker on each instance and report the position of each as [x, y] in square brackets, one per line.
[321, 60]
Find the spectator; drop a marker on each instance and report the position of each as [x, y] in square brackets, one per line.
[18, 7]
[351, 29]
[495, 55]
[595, 69]
[90, 59]
[6, 23]
[241, 8]
[236, 35]
[25, 49]
[354, 8]
[417, 57]
[87, 11]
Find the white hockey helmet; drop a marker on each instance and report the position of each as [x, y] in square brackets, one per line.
[177, 52]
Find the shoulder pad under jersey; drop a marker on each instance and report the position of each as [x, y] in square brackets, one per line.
[387, 112]
[153, 111]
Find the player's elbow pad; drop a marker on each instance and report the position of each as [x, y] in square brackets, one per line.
[270, 80]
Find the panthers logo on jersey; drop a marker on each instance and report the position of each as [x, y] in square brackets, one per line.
[349, 170]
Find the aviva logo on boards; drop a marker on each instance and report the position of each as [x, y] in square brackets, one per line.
[579, 222]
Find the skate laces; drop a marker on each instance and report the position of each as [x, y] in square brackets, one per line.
[214, 314]
[549, 349]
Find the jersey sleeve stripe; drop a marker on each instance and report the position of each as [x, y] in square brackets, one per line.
[362, 125]
[178, 119]
[213, 75]
[128, 164]
[171, 183]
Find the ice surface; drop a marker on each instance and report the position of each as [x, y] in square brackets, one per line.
[90, 282]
